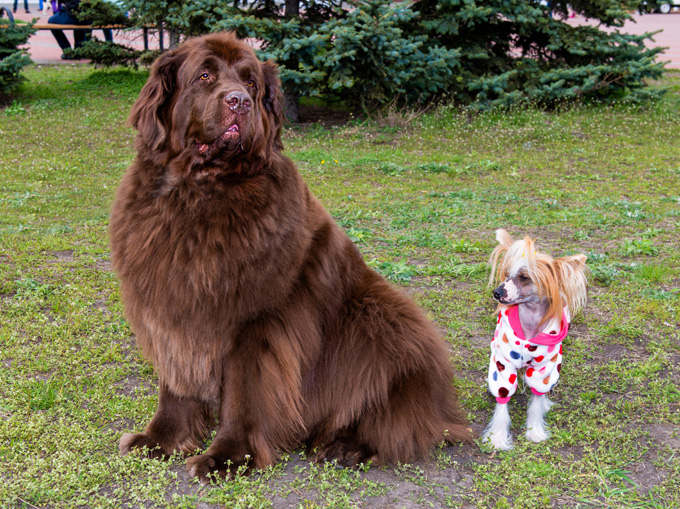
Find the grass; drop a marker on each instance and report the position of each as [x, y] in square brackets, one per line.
[421, 199]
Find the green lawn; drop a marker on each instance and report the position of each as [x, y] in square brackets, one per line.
[421, 197]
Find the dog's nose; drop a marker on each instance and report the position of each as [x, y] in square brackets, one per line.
[238, 102]
[498, 293]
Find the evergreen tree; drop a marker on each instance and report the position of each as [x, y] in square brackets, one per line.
[483, 53]
[480, 52]
[517, 50]
[12, 59]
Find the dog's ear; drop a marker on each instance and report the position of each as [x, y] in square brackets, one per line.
[495, 260]
[272, 100]
[147, 113]
[573, 275]
[577, 261]
[504, 238]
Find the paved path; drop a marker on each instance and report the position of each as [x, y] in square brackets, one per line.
[669, 37]
[44, 49]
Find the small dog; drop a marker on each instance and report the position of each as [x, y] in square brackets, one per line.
[537, 296]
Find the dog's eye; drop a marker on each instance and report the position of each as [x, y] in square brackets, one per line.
[204, 76]
[250, 83]
[524, 278]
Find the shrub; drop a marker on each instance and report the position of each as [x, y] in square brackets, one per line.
[102, 12]
[372, 58]
[12, 59]
[514, 51]
[483, 53]
[364, 56]
[487, 54]
[106, 54]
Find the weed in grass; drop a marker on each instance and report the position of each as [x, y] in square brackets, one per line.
[581, 235]
[484, 165]
[465, 246]
[621, 328]
[43, 394]
[651, 233]
[613, 483]
[634, 247]
[335, 486]
[596, 258]
[26, 288]
[670, 199]
[457, 269]
[18, 200]
[398, 271]
[14, 109]
[631, 210]
[392, 169]
[604, 274]
[662, 295]
[432, 168]
[359, 235]
[654, 273]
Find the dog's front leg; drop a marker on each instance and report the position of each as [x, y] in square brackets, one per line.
[261, 399]
[229, 451]
[179, 424]
[497, 433]
[538, 406]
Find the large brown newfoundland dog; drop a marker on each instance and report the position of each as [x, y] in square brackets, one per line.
[251, 303]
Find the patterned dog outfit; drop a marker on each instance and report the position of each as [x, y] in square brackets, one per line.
[542, 355]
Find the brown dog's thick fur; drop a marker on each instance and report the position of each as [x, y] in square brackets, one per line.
[248, 299]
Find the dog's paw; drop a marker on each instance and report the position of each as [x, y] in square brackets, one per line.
[143, 441]
[203, 466]
[206, 466]
[537, 434]
[348, 454]
[498, 440]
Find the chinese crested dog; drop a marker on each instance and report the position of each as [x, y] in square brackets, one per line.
[537, 296]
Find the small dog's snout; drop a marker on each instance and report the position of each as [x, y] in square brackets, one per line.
[498, 293]
[238, 102]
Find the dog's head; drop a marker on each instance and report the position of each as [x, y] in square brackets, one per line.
[523, 274]
[209, 101]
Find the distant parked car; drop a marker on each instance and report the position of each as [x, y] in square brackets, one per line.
[666, 6]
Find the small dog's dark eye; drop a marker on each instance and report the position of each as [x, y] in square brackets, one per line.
[204, 76]
[250, 83]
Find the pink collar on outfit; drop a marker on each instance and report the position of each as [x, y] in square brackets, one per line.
[550, 335]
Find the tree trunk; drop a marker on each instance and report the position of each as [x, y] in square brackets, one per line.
[292, 9]
[291, 107]
[173, 33]
[291, 100]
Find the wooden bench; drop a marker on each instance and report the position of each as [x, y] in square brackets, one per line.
[145, 30]
[53, 26]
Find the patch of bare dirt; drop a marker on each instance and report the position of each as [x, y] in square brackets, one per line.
[62, 256]
[323, 115]
[133, 385]
[104, 265]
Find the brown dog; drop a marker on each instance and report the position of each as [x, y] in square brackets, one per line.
[245, 295]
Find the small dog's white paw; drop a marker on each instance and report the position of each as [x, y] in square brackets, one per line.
[537, 434]
[499, 441]
[497, 433]
[536, 430]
